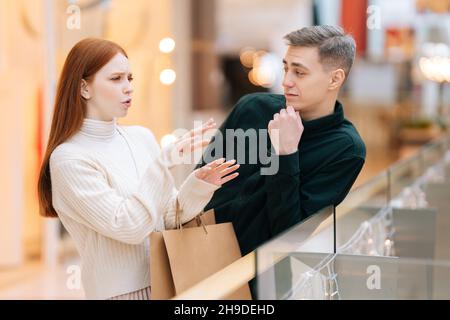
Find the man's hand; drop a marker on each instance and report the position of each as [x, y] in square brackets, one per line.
[285, 131]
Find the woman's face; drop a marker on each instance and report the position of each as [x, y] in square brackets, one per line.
[108, 94]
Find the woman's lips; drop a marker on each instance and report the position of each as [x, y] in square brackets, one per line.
[127, 103]
[290, 95]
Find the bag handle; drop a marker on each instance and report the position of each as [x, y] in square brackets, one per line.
[178, 209]
[178, 223]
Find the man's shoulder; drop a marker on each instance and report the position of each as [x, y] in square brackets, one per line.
[255, 110]
[261, 102]
[351, 138]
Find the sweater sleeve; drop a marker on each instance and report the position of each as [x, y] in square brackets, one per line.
[81, 191]
[294, 202]
[194, 194]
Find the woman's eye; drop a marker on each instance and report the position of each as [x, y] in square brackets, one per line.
[116, 78]
[130, 79]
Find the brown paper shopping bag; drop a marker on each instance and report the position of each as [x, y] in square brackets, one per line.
[182, 257]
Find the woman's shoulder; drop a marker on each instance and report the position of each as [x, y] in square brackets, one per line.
[68, 151]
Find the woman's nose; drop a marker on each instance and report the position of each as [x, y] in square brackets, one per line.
[128, 89]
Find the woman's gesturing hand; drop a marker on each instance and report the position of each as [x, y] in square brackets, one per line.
[194, 139]
[218, 172]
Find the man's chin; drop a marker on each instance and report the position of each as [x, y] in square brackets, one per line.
[296, 106]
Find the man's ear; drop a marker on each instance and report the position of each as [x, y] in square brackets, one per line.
[337, 79]
[85, 90]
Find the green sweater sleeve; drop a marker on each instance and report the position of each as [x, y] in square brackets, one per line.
[289, 201]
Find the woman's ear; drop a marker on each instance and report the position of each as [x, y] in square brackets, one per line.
[337, 79]
[85, 90]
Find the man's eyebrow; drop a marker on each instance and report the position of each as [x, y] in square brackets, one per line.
[296, 64]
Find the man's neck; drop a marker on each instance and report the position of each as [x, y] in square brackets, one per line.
[324, 109]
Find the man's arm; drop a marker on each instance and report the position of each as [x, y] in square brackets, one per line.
[289, 201]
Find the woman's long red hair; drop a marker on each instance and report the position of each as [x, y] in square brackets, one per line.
[84, 60]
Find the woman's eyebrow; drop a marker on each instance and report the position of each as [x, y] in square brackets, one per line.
[121, 73]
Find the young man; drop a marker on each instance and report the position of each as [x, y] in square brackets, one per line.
[319, 152]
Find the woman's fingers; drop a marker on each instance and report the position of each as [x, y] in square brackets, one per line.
[215, 163]
[228, 178]
[224, 165]
[210, 124]
[198, 144]
[229, 170]
[194, 139]
[218, 172]
[191, 144]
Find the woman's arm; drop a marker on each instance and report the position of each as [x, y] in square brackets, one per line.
[198, 189]
[82, 192]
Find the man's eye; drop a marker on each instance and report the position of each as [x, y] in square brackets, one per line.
[298, 73]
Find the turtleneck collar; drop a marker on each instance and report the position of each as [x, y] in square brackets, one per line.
[324, 123]
[99, 129]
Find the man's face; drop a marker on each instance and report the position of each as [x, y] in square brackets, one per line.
[305, 82]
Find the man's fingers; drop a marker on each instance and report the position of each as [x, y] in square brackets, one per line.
[290, 110]
[299, 117]
[276, 116]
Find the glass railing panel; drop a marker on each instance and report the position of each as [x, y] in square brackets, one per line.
[360, 205]
[320, 276]
[314, 234]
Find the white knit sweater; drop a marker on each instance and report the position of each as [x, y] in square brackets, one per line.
[111, 187]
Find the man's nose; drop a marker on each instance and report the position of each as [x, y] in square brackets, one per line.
[287, 82]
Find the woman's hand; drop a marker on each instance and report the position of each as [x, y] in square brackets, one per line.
[218, 172]
[194, 139]
[181, 151]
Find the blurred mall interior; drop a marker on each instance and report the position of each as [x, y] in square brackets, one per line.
[192, 60]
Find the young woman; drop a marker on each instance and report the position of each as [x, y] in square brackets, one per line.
[110, 185]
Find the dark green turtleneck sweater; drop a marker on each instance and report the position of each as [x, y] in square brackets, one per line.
[329, 158]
